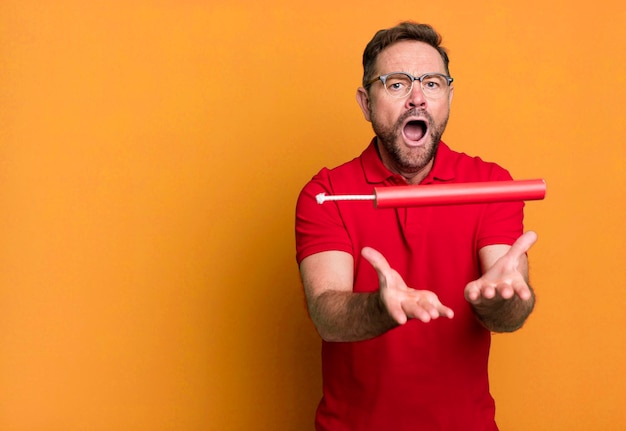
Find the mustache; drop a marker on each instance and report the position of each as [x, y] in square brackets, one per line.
[415, 112]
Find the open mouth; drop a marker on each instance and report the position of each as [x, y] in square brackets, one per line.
[415, 130]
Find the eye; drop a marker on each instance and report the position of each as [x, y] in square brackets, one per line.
[398, 83]
[433, 83]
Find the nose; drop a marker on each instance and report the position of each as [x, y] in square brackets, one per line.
[416, 96]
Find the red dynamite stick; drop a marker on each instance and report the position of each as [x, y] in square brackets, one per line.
[459, 193]
[448, 194]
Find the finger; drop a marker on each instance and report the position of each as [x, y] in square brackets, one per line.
[478, 290]
[489, 291]
[398, 313]
[417, 311]
[436, 308]
[504, 290]
[426, 310]
[522, 290]
[440, 310]
[523, 244]
[445, 311]
[380, 265]
[376, 259]
[430, 307]
[472, 291]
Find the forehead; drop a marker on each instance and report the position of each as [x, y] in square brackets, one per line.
[409, 56]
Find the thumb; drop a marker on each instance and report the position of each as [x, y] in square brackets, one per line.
[385, 279]
[376, 259]
[523, 244]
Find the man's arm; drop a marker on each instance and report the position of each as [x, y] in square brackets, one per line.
[339, 314]
[502, 297]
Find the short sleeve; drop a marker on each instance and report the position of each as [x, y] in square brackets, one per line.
[501, 223]
[319, 227]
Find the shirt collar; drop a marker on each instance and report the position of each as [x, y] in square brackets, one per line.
[376, 172]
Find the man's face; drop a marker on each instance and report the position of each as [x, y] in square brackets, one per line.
[409, 128]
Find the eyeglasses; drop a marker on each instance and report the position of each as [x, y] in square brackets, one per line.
[400, 84]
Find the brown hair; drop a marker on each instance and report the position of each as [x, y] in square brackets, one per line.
[406, 30]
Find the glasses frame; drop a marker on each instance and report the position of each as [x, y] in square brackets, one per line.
[383, 79]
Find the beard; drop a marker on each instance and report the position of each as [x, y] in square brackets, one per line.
[410, 160]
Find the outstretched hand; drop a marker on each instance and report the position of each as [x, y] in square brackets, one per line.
[401, 301]
[506, 278]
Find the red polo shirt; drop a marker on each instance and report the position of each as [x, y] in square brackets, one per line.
[419, 376]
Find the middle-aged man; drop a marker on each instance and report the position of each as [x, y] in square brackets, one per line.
[405, 299]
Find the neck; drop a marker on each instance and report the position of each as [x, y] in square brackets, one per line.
[412, 176]
[417, 177]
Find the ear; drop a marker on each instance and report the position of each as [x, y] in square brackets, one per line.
[363, 99]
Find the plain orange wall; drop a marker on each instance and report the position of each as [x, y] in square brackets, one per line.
[151, 153]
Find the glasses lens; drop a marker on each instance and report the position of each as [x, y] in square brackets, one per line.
[398, 85]
[434, 86]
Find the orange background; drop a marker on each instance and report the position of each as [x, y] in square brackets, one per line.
[151, 153]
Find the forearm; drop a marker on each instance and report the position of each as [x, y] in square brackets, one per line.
[505, 315]
[348, 316]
